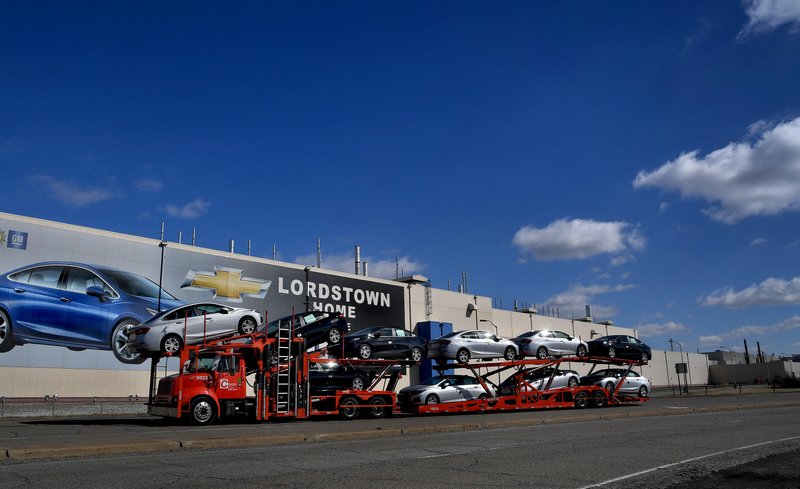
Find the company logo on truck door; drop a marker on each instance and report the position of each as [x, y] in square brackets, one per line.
[227, 283]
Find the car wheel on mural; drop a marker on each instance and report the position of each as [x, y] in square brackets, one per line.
[76, 306]
[6, 339]
[119, 344]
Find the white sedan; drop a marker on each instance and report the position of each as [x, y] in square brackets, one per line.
[190, 324]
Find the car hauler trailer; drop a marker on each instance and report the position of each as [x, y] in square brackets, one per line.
[212, 384]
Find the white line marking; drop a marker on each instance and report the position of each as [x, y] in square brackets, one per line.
[695, 459]
[676, 407]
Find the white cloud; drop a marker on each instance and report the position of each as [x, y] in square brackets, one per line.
[744, 332]
[772, 291]
[739, 180]
[148, 185]
[759, 241]
[573, 301]
[377, 268]
[578, 238]
[766, 15]
[662, 207]
[190, 210]
[710, 340]
[622, 259]
[71, 193]
[654, 329]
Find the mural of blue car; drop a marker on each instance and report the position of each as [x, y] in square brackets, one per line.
[77, 306]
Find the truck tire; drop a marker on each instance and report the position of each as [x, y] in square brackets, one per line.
[347, 408]
[203, 411]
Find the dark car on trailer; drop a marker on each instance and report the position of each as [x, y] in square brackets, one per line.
[620, 346]
[326, 378]
[317, 327]
[385, 342]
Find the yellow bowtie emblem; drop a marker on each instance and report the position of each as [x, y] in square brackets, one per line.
[227, 283]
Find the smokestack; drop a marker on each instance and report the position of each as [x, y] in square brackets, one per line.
[358, 259]
[319, 254]
[588, 311]
[746, 353]
[231, 246]
[162, 230]
[180, 237]
[760, 354]
[397, 269]
[366, 269]
[274, 251]
[194, 235]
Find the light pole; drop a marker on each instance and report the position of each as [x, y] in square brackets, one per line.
[730, 351]
[680, 346]
[162, 245]
[496, 330]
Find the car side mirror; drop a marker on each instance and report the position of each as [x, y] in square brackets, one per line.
[96, 291]
[496, 339]
[444, 384]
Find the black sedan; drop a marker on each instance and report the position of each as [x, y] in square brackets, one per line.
[330, 377]
[316, 327]
[385, 342]
[620, 346]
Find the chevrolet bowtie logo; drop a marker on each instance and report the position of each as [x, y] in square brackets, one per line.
[227, 283]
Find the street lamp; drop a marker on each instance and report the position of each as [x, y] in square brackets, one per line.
[730, 351]
[680, 346]
[496, 331]
[162, 245]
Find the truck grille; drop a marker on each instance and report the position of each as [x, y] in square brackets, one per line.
[165, 387]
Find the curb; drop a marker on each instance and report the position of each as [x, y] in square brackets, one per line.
[155, 446]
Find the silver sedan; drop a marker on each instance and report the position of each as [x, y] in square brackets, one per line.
[190, 324]
[633, 382]
[465, 345]
[445, 388]
[544, 343]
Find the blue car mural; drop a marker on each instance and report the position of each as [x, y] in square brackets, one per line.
[77, 306]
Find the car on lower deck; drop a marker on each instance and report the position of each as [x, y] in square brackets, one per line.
[632, 382]
[445, 388]
[329, 377]
[538, 379]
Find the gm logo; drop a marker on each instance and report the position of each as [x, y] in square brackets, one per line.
[17, 240]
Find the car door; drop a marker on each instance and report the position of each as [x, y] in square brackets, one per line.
[36, 293]
[218, 322]
[83, 319]
[453, 392]
[382, 342]
[561, 343]
[469, 340]
[487, 344]
[635, 347]
[631, 382]
[186, 319]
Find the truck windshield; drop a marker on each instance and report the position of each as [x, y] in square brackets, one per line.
[202, 364]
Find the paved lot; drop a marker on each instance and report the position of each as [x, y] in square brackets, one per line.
[27, 438]
[610, 448]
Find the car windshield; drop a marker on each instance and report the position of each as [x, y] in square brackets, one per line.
[202, 364]
[133, 284]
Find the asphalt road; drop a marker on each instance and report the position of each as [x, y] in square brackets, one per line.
[619, 447]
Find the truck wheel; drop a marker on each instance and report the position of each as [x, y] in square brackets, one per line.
[6, 338]
[203, 411]
[581, 400]
[347, 408]
[598, 399]
[119, 344]
[377, 407]
[247, 325]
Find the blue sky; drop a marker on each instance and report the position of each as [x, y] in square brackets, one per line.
[642, 157]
